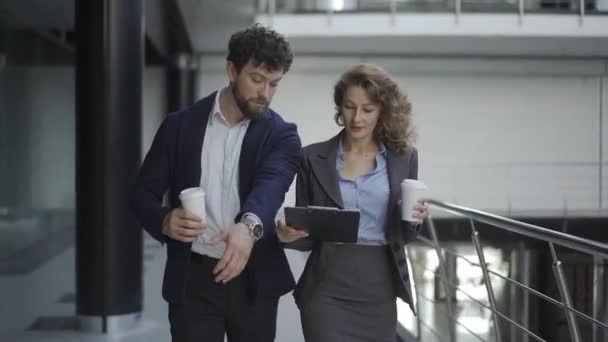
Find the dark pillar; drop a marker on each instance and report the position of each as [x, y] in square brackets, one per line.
[109, 67]
[182, 78]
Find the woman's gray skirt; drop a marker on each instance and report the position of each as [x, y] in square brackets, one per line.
[355, 300]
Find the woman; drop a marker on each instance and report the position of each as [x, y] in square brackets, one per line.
[347, 291]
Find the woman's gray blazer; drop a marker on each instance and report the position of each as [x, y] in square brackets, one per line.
[317, 184]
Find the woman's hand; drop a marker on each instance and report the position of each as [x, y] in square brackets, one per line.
[420, 211]
[289, 234]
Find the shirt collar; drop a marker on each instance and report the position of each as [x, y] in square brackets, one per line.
[381, 150]
[216, 111]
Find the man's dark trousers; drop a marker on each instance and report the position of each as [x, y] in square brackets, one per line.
[212, 309]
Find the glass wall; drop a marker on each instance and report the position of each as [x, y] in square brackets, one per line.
[37, 147]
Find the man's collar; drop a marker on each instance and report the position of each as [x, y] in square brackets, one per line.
[217, 114]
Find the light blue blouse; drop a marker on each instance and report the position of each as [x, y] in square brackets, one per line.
[370, 194]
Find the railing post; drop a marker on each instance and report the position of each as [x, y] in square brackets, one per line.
[521, 259]
[487, 280]
[272, 8]
[290, 6]
[444, 277]
[581, 12]
[451, 269]
[565, 295]
[457, 10]
[393, 4]
[261, 7]
[416, 296]
[600, 298]
[522, 6]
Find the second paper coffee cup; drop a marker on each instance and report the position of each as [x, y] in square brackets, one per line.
[411, 191]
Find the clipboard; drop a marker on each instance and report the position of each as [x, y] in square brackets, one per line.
[325, 223]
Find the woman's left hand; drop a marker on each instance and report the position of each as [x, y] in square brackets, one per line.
[287, 234]
[420, 211]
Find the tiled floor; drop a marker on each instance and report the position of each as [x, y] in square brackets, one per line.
[47, 293]
[29, 239]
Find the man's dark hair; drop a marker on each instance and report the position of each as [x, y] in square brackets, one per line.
[262, 46]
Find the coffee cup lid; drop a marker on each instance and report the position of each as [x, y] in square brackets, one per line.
[415, 183]
[192, 192]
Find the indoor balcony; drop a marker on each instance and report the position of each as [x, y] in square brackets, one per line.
[559, 28]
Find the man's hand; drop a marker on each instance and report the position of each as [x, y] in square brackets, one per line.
[181, 225]
[239, 243]
[287, 234]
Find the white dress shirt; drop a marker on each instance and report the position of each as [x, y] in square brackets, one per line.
[219, 177]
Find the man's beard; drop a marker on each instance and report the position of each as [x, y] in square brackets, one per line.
[248, 110]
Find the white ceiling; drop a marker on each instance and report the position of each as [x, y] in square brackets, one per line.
[210, 23]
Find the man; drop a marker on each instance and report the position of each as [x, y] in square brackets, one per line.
[245, 157]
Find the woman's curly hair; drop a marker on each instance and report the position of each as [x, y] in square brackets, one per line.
[394, 128]
[262, 46]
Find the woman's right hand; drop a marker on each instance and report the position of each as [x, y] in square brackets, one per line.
[289, 234]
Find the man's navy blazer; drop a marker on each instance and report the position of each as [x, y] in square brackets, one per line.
[269, 158]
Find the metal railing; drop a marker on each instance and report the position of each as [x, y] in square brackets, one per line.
[457, 7]
[599, 251]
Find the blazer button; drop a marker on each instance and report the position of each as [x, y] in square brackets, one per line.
[406, 277]
[401, 262]
[396, 247]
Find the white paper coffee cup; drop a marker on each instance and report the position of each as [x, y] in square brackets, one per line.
[411, 191]
[193, 200]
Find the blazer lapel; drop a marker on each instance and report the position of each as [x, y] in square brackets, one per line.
[397, 171]
[397, 168]
[249, 153]
[194, 133]
[324, 167]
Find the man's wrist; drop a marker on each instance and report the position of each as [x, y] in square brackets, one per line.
[253, 223]
[243, 227]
